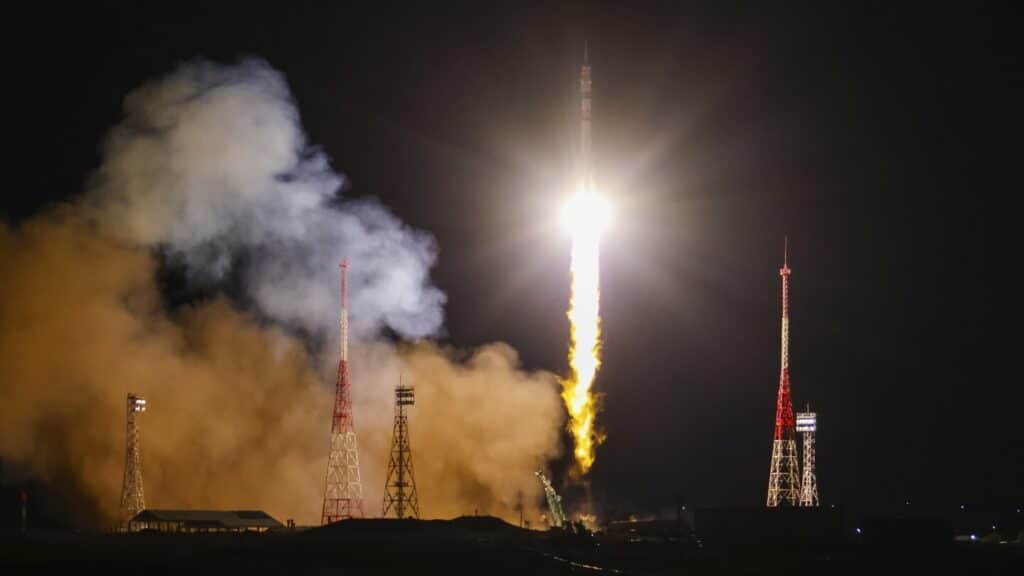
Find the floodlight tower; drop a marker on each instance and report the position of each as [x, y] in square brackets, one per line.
[133, 499]
[784, 477]
[807, 425]
[343, 491]
[400, 488]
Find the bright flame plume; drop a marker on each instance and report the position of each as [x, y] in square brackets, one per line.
[586, 215]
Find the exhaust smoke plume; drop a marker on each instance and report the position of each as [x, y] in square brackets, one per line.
[210, 168]
[211, 164]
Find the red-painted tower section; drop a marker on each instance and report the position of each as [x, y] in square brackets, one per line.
[784, 478]
[342, 420]
[343, 492]
[785, 424]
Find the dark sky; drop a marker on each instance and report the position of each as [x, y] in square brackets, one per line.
[877, 139]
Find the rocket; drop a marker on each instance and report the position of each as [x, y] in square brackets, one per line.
[586, 173]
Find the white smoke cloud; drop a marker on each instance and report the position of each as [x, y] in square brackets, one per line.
[211, 164]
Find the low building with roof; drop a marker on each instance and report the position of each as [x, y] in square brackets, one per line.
[203, 521]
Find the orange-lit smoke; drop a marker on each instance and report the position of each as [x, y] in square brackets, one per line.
[210, 164]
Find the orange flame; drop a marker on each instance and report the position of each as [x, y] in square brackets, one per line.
[586, 216]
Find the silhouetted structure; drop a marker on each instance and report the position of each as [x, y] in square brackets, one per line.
[203, 521]
[807, 425]
[400, 488]
[133, 499]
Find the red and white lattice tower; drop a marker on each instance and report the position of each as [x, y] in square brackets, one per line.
[343, 492]
[784, 478]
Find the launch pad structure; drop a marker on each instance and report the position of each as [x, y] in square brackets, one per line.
[558, 518]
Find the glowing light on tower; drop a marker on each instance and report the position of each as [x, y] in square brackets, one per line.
[585, 216]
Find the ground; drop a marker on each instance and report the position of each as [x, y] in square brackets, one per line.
[478, 545]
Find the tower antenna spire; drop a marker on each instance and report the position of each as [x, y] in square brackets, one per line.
[784, 477]
[343, 491]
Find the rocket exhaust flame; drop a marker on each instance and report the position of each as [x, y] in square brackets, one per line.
[586, 215]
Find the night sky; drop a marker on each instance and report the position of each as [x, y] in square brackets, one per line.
[877, 140]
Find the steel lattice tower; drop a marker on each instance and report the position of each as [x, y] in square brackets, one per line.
[133, 498]
[807, 425]
[343, 491]
[784, 478]
[400, 488]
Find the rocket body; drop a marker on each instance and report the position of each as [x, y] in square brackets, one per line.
[586, 172]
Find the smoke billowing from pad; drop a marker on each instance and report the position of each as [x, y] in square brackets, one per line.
[211, 167]
[212, 164]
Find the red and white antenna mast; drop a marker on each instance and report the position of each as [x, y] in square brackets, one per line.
[343, 491]
[784, 478]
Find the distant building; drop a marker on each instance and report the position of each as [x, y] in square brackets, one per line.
[203, 521]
